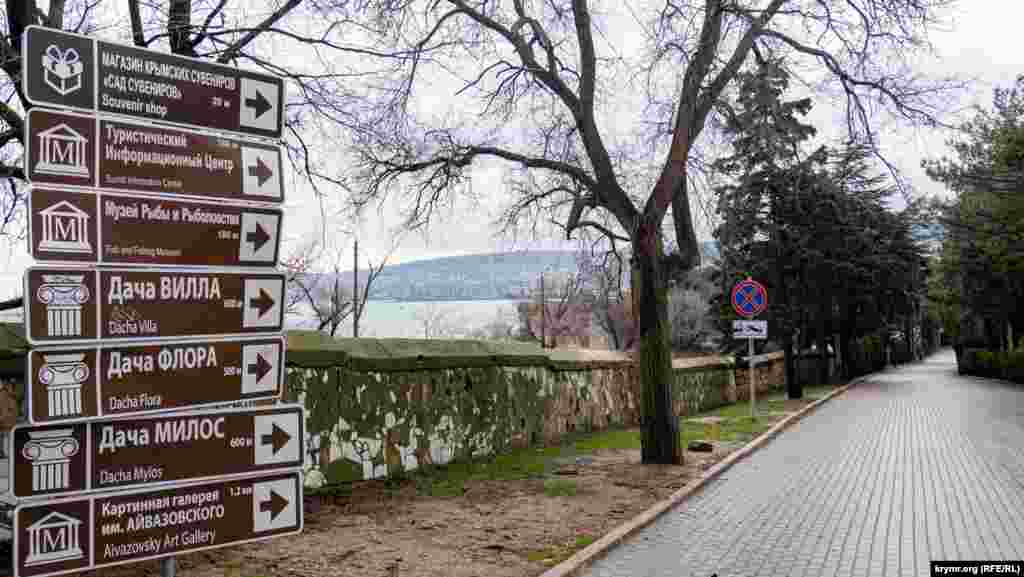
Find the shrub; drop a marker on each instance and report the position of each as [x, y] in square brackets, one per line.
[994, 364]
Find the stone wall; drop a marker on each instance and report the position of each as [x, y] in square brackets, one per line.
[379, 406]
[769, 375]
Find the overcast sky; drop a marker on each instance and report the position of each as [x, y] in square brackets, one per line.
[981, 39]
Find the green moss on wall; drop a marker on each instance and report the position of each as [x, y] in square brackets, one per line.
[702, 390]
[474, 410]
[343, 470]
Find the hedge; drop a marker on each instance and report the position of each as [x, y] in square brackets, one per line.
[993, 364]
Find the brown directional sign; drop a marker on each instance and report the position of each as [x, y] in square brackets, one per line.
[68, 305]
[70, 535]
[67, 226]
[81, 150]
[73, 71]
[99, 455]
[67, 384]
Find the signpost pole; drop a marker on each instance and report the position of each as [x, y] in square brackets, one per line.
[167, 567]
[753, 387]
[749, 299]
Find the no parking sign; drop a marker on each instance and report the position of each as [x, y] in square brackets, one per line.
[749, 298]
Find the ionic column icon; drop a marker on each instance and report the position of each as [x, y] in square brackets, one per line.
[63, 296]
[50, 453]
[63, 376]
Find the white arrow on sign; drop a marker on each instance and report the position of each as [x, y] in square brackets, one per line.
[749, 329]
[274, 505]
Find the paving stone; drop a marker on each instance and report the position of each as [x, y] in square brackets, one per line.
[913, 465]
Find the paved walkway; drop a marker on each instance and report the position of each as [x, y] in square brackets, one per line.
[916, 464]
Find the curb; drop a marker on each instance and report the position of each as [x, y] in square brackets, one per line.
[583, 558]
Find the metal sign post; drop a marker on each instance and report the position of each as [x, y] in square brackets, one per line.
[752, 378]
[749, 299]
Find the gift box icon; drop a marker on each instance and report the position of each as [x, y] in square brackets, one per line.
[62, 69]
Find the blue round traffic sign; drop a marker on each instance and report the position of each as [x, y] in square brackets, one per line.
[749, 298]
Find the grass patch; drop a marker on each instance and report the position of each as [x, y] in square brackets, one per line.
[614, 439]
[560, 488]
[539, 462]
[450, 480]
[732, 429]
[584, 541]
[554, 554]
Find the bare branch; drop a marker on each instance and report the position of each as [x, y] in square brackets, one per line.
[205, 27]
[235, 49]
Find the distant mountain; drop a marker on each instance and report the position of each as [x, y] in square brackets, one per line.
[475, 277]
[472, 277]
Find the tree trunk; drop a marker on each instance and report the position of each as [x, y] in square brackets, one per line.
[794, 390]
[845, 340]
[660, 441]
[179, 15]
[822, 330]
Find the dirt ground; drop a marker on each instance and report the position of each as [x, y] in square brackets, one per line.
[495, 529]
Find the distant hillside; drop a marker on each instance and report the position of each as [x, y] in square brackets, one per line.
[473, 277]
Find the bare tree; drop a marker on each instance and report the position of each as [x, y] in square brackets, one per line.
[500, 328]
[540, 85]
[605, 268]
[558, 308]
[330, 301]
[362, 290]
[324, 292]
[437, 322]
[294, 39]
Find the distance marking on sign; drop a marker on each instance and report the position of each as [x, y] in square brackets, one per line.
[81, 150]
[88, 227]
[99, 455]
[67, 384]
[67, 305]
[71, 535]
[82, 73]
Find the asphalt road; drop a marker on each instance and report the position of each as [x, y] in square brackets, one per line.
[915, 464]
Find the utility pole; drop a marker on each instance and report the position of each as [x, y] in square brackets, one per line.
[543, 314]
[355, 290]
